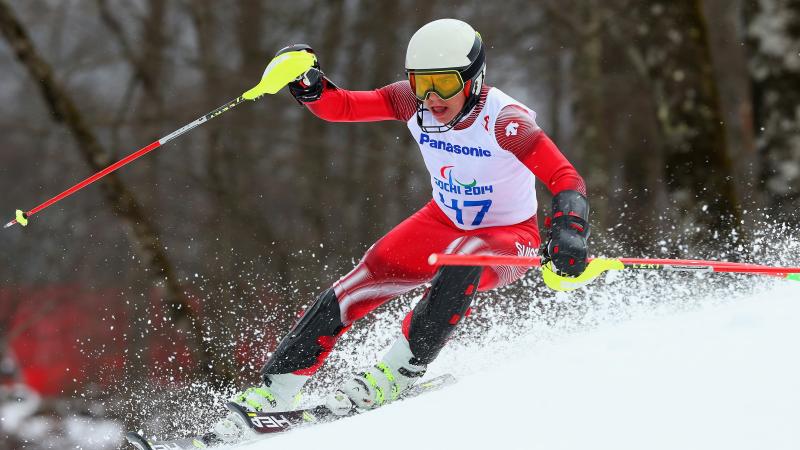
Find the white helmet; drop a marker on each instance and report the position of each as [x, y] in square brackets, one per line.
[449, 44]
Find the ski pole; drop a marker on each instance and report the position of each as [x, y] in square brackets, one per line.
[599, 265]
[283, 69]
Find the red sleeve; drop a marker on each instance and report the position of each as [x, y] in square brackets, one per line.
[392, 102]
[517, 132]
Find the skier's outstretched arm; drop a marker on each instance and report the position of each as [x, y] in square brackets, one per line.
[392, 102]
[327, 101]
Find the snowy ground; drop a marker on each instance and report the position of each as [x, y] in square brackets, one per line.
[725, 375]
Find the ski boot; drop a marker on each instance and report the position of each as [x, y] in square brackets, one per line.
[278, 393]
[385, 382]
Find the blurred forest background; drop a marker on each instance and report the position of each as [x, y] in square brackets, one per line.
[683, 116]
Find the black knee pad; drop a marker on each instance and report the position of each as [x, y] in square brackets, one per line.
[300, 349]
[437, 314]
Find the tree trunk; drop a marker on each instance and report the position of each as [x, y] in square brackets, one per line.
[676, 56]
[773, 29]
[313, 156]
[373, 145]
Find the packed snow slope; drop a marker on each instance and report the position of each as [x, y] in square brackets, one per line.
[721, 375]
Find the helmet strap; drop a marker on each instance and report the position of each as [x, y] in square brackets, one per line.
[434, 128]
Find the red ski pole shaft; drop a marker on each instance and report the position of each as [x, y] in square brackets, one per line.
[442, 259]
[128, 159]
[629, 263]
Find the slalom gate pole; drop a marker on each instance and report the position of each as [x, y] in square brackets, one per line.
[599, 265]
[281, 71]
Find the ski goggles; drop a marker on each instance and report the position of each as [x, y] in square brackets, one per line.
[446, 84]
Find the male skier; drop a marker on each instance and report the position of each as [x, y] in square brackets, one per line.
[483, 150]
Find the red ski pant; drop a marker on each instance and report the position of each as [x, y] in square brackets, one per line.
[398, 262]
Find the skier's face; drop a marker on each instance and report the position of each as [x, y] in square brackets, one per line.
[444, 110]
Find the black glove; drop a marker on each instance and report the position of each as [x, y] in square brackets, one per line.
[569, 230]
[307, 87]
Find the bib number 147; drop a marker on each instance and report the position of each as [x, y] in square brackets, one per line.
[459, 207]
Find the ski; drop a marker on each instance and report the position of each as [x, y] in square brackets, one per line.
[266, 423]
[205, 441]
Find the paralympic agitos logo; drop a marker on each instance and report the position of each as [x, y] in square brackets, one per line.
[457, 149]
[449, 183]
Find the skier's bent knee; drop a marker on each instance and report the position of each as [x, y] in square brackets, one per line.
[304, 349]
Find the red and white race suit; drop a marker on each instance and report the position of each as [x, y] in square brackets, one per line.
[483, 175]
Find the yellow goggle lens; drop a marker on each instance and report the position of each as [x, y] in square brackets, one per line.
[445, 84]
